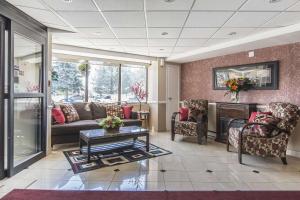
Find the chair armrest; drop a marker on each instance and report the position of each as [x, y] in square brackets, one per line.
[174, 115]
[263, 124]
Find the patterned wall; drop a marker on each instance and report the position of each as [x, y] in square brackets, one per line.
[197, 81]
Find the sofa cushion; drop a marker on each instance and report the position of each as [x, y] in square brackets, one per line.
[84, 110]
[74, 127]
[58, 115]
[70, 112]
[98, 110]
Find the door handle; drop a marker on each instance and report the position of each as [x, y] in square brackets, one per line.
[170, 98]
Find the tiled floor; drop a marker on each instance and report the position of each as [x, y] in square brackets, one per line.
[185, 169]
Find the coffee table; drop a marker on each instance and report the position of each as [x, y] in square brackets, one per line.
[100, 136]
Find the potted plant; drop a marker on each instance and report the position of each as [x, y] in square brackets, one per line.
[111, 123]
[235, 85]
[139, 92]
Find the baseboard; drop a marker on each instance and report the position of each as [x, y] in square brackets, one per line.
[293, 153]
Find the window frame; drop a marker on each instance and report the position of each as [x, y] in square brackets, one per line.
[119, 65]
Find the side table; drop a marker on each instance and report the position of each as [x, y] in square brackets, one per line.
[144, 116]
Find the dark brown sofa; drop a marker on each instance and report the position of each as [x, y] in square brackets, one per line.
[89, 115]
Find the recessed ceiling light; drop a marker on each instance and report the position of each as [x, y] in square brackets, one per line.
[232, 33]
[67, 1]
[164, 33]
[169, 1]
[161, 49]
[274, 1]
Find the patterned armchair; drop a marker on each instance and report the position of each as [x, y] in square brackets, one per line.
[198, 109]
[246, 141]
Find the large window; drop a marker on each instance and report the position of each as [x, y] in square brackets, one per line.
[130, 75]
[105, 82]
[67, 82]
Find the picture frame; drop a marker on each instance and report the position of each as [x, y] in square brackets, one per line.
[265, 75]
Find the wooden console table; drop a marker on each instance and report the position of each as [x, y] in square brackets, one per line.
[227, 111]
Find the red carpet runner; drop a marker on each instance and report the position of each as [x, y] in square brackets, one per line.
[164, 195]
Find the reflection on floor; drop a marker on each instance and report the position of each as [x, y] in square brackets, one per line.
[190, 167]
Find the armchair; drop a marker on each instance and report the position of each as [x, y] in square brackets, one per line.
[197, 123]
[246, 141]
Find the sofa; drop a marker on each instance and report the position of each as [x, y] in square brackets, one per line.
[90, 114]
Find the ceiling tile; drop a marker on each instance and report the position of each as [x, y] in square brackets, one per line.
[104, 42]
[166, 19]
[227, 32]
[73, 42]
[190, 42]
[207, 19]
[113, 5]
[212, 42]
[134, 42]
[198, 32]
[83, 19]
[96, 32]
[131, 32]
[157, 32]
[162, 42]
[42, 15]
[284, 19]
[172, 5]
[27, 3]
[265, 5]
[183, 49]
[295, 7]
[140, 50]
[249, 19]
[125, 19]
[75, 5]
[218, 5]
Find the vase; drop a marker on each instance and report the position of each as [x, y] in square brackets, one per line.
[112, 130]
[140, 107]
[235, 97]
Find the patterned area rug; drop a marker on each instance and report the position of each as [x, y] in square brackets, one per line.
[112, 154]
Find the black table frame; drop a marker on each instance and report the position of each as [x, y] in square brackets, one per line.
[113, 138]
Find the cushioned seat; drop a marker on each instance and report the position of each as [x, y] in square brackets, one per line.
[70, 128]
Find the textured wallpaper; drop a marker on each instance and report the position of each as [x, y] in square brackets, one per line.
[197, 81]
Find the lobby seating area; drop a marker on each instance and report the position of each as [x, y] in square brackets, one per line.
[149, 99]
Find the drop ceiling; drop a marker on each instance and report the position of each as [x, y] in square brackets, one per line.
[159, 27]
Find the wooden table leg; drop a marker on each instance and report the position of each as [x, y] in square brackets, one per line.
[147, 143]
[80, 146]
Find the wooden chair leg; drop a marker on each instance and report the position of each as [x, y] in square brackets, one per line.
[240, 157]
[227, 147]
[283, 159]
[172, 136]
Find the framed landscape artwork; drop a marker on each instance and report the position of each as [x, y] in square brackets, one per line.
[263, 76]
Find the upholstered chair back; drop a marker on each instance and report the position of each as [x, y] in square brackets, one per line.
[288, 113]
[200, 105]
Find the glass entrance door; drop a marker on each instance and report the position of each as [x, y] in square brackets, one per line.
[27, 99]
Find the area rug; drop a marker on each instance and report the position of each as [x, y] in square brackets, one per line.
[112, 154]
[163, 195]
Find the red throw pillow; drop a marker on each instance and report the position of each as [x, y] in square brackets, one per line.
[127, 110]
[58, 115]
[183, 114]
[254, 114]
[265, 131]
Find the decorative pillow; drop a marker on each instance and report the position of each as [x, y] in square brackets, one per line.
[127, 110]
[265, 119]
[183, 114]
[98, 110]
[114, 110]
[253, 115]
[58, 115]
[70, 112]
[84, 110]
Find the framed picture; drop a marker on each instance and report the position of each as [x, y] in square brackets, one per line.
[264, 76]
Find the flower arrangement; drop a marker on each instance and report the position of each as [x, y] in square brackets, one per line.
[235, 85]
[111, 122]
[139, 92]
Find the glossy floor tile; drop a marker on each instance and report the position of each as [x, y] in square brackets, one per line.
[190, 167]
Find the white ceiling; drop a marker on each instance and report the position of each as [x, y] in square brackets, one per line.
[136, 26]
